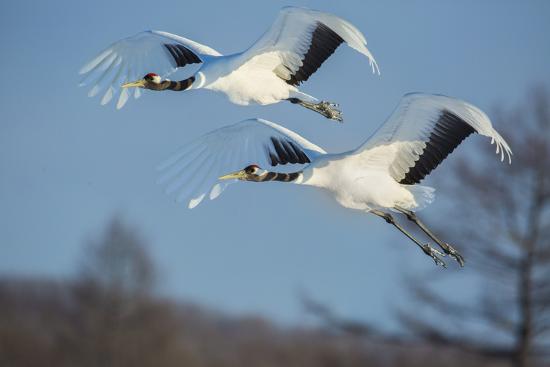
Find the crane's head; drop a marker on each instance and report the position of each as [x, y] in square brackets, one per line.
[252, 172]
[149, 81]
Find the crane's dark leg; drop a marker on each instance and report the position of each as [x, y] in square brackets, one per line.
[448, 249]
[433, 253]
[327, 109]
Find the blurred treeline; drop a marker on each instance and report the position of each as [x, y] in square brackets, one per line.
[110, 314]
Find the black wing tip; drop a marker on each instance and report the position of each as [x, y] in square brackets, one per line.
[283, 151]
[447, 134]
[324, 41]
[181, 55]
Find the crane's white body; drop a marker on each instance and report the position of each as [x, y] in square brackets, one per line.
[356, 183]
[243, 83]
[366, 178]
[256, 75]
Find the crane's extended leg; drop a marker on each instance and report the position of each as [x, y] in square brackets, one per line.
[327, 109]
[448, 249]
[428, 250]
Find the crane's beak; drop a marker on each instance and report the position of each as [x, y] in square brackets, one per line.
[235, 175]
[137, 83]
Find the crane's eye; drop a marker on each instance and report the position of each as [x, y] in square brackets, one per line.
[251, 169]
[150, 76]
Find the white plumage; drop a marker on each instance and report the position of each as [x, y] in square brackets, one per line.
[295, 46]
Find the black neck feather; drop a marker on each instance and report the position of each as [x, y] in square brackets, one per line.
[174, 85]
[278, 176]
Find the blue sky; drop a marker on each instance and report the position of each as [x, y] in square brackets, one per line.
[68, 165]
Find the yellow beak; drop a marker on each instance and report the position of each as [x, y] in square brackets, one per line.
[235, 175]
[137, 83]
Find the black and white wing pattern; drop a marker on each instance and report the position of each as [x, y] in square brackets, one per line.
[131, 58]
[192, 173]
[300, 40]
[422, 131]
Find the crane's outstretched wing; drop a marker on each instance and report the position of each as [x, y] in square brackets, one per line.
[133, 57]
[193, 172]
[300, 40]
[422, 131]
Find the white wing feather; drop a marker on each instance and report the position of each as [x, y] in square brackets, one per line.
[400, 141]
[192, 172]
[290, 35]
[131, 58]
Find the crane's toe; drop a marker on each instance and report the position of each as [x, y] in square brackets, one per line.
[449, 250]
[435, 255]
[336, 115]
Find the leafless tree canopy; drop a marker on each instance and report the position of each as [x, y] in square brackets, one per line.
[119, 261]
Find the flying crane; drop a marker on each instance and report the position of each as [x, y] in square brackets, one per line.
[268, 72]
[381, 176]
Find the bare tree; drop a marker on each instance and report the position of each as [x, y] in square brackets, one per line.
[118, 319]
[119, 260]
[502, 221]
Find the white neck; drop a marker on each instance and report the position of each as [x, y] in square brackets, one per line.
[200, 81]
[314, 176]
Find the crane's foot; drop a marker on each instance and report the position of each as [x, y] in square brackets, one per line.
[435, 255]
[449, 250]
[329, 110]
